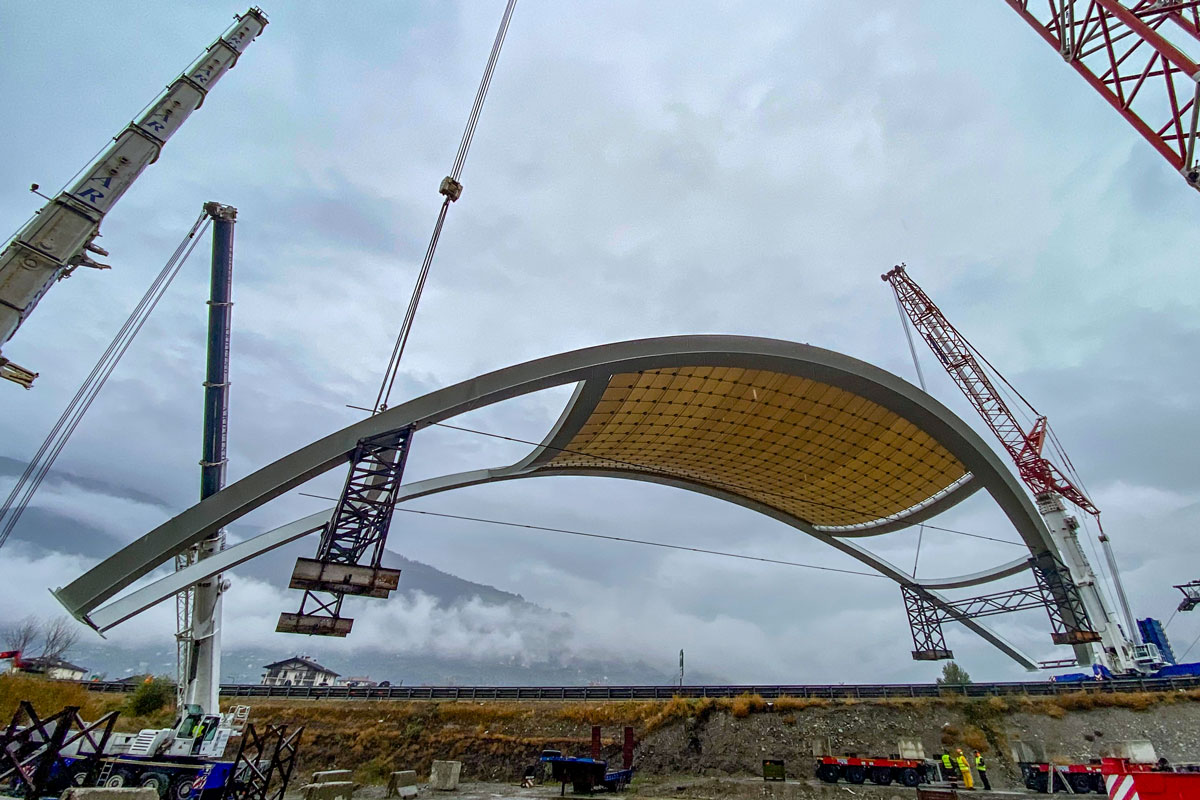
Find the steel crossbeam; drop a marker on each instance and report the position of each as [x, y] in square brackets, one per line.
[1140, 56]
[349, 557]
[1191, 595]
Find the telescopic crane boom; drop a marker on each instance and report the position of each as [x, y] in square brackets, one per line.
[1049, 483]
[62, 234]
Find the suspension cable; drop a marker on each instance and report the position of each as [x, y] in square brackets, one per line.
[451, 189]
[35, 472]
[625, 539]
[920, 379]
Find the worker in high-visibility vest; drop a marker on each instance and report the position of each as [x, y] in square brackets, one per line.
[948, 769]
[981, 768]
[965, 769]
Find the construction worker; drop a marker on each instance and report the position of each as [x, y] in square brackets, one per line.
[965, 769]
[949, 772]
[981, 768]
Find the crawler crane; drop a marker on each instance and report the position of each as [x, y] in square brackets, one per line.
[1049, 483]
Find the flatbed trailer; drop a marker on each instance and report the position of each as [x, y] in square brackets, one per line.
[1081, 778]
[881, 771]
[586, 774]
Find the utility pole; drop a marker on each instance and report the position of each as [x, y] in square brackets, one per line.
[199, 608]
[681, 668]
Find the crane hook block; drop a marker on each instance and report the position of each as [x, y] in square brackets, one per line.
[450, 188]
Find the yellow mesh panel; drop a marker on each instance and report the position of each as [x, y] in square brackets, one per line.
[805, 448]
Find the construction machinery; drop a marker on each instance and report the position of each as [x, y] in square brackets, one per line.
[206, 753]
[203, 756]
[1115, 649]
[61, 237]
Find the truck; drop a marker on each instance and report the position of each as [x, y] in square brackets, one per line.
[180, 762]
[202, 756]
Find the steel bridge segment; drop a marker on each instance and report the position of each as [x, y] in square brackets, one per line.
[592, 368]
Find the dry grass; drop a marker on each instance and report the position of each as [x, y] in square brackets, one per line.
[49, 697]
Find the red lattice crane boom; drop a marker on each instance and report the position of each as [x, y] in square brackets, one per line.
[958, 357]
[1135, 54]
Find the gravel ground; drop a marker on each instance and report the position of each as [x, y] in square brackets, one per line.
[684, 788]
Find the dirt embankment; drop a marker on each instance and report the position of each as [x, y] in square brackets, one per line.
[496, 740]
[716, 739]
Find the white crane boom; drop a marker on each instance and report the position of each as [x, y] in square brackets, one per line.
[59, 238]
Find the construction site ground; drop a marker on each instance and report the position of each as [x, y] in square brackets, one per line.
[688, 788]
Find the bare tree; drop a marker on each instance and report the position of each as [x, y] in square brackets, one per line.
[44, 639]
[21, 635]
[59, 635]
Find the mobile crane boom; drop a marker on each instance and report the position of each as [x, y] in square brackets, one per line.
[62, 234]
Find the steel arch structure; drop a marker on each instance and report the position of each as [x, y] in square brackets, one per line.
[659, 401]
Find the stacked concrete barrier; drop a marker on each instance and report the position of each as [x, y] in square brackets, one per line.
[444, 775]
[106, 793]
[402, 784]
[328, 790]
[331, 775]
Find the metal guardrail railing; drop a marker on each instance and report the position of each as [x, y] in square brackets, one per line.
[832, 692]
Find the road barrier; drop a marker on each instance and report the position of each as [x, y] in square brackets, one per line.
[833, 692]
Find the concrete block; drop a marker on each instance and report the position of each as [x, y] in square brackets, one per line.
[402, 784]
[330, 790]
[105, 793]
[331, 775]
[821, 746]
[911, 748]
[444, 775]
[1139, 751]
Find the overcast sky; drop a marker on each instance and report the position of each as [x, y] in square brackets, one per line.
[641, 169]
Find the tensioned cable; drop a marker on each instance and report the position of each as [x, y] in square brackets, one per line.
[1190, 646]
[719, 484]
[35, 472]
[624, 539]
[451, 188]
[912, 349]
[1172, 617]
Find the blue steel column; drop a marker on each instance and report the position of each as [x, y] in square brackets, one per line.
[216, 382]
[205, 662]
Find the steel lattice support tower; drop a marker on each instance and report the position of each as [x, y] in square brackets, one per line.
[1054, 591]
[1135, 54]
[349, 557]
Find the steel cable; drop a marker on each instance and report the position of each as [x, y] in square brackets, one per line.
[37, 469]
[451, 194]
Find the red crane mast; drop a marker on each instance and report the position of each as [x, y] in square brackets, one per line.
[958, 358]
[1133, 53]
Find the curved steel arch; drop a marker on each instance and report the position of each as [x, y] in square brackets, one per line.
[591, 368]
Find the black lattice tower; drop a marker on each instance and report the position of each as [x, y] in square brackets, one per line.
[352, 544]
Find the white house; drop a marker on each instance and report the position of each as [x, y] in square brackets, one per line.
[298, 671]
[54, 668]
